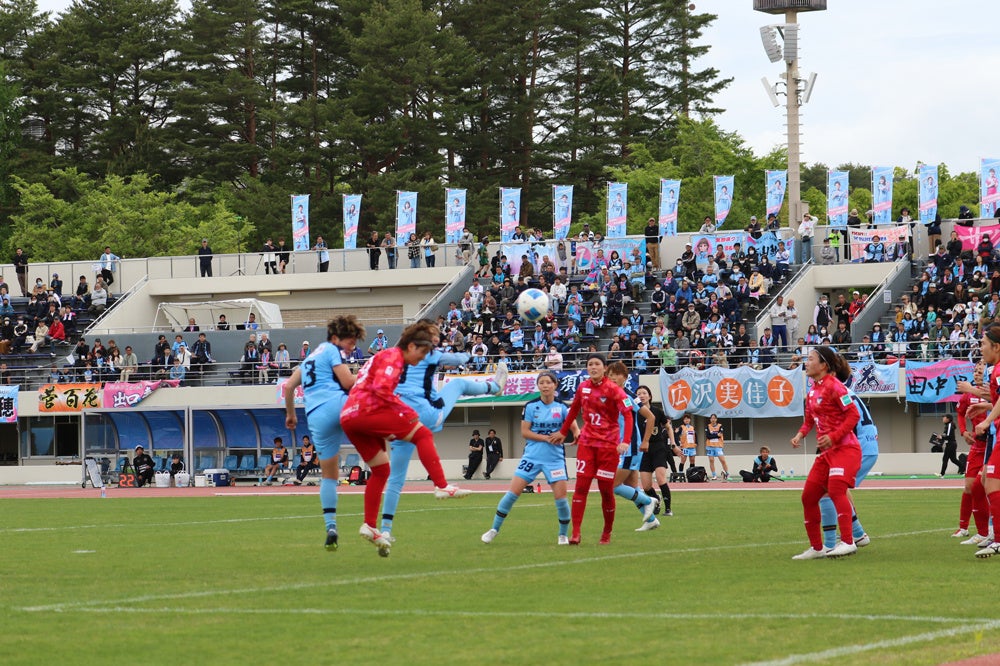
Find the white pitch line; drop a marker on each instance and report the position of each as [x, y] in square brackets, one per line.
[834, 653]
[288, 587]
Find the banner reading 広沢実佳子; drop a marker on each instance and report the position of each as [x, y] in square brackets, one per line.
[352, 213]
[670, 194]
[510, 212]
[836, 198]
[455, 214]
[733, 392]
[406, 217]
[775, 181]
[300, 222]
[882, 195]
[928, 192]
[562, 210]
[937, 381]
[724, 186]
[989, 187]
[617, 212]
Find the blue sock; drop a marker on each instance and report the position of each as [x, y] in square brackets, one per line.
[399, 461]
[503, 508]
[856, 529]
[828, 514]
[328, 500]
[634, 495]
[562, 511]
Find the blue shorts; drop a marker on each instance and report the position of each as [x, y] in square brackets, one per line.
[630, 461]
[324, 428]
[691, 453]
[867, 462]
[529, 469]
[714, 451]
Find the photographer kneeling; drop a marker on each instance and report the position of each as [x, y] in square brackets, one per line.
[764, 465]
[144, 466]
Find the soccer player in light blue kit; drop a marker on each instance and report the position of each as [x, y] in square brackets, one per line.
[627, 475]
[326, 381]
[867, 434]
[418, 389]
[539, 419]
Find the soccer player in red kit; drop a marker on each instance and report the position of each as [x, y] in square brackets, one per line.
[830, 409]
[974, 502]
[373, 412]
[990, 348]
[599, 444]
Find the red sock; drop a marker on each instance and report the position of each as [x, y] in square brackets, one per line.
[579, 505]
[965, 512]
[811, 494]
[373, 493]
[980, 508]
[607, 488]
[423, 439]
[845, 512]
[994, 501]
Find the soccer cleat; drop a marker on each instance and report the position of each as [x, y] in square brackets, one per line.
[650, 509]
[988, 541]
[668, 513]
[500, 378]
[331, 539]
[489, 536]
[651, 525]
[605, 538]
[862, 541]
[715, 478]
[988, 551]
[296, 482]
[381, 542]
[451, 491]
[574, 540]
[960, 533]
[974, 540]
[563, 540]
[725, 476]
[842, 550]
[810, 554]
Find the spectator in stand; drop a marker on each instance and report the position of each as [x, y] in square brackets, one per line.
[652, 233]
[374, 245]
[875, 251]
[130, 365]
[841, 340]
[391, 253]
[707, 226]
[109, 264]
[413, 251]
[807, 229]
[20, 262]
[178, 371]
[98, 300]
[826, 253]
[323, 254]
[778, 312]
[429, 248]
[205, 258]
[82, 297]
[283, 255]
[985, 249]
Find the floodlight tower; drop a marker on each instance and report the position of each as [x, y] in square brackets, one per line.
[794, 97]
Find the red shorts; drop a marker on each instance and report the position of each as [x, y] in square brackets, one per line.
[993, 464]
[974, 465]
[369, 429]
[601, 462]
[840, 462]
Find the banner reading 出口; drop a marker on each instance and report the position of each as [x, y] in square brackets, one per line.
[733, 392]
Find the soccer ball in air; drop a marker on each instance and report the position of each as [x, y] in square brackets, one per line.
[533, 304]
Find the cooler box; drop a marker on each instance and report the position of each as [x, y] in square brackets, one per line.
[217, 477]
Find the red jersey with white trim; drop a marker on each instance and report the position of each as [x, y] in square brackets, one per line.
[601, 404]
[995, 387]
[968, 400]
[377, 382]
[831, 410]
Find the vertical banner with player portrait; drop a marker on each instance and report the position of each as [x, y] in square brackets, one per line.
[300, 222]
[989, 187]
[510, 212]
[670, 193]
[836, 198]
[352, 211]
[406, 216]
[454, 214]
[723, 198]
[8, 403]
[882, 195]
[562, 210]
[776, 182]
[928, 192]
[617, 209]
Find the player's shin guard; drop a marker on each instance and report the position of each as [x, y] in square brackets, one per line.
[429, 458]
[328, 500]
[562, 512]
[606, 486]
[373, 493]
[503, 509]
[828, 521]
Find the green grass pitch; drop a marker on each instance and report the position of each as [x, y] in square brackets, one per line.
[226, 580]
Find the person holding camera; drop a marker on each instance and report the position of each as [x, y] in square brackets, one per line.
[144, 467]
[764, 466]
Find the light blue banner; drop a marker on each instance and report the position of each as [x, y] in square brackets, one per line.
[875, 378]
[8, 403]
[510, 212]
[836, 198]
[300, 222]
[724, 186]
[937, 381]
[670, 194]
[776, 182]
[562, 210]
[928, 192]
[733, 392]
[989, 187]
[352, 211]
[617, 209]
[882, 195]
[455, 214]
[406, 217]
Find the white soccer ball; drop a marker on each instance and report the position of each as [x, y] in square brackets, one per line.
[533, 304]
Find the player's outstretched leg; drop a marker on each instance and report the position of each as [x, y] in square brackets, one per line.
[503, 509]
[399, 462]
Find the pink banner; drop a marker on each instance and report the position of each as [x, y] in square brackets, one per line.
[970, 236]
[125, 394]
